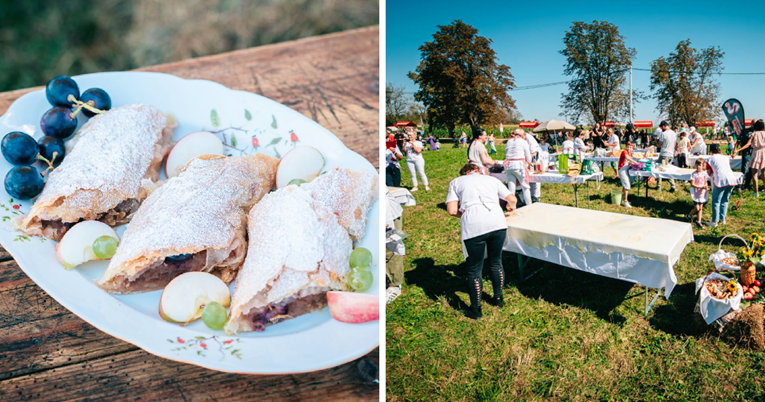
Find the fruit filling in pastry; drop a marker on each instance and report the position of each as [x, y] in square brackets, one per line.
[111, 168]
[290, 307]
[300, 241]
[121, 214]
[194, 222]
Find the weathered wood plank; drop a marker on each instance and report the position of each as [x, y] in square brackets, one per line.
[136, 375]
[37, 333]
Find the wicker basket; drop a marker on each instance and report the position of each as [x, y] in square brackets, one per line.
[748, 271]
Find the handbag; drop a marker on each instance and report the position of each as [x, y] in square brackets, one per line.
[587, 167]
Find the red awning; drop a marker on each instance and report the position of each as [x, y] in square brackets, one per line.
[608, 124]
[748, 122]
[643, 123]
[405, 124]
[528, 124]
[706, 123]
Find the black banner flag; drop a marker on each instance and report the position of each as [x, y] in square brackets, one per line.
[734, 111]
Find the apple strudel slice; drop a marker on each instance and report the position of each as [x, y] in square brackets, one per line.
[298, 249]
[194, 222]
[111, 168]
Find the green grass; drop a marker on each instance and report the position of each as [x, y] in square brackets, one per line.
[563, 334]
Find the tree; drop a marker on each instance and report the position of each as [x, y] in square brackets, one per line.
[400, 106]
[396, 104]
[684, 85]
[460, 79]
[597, 60]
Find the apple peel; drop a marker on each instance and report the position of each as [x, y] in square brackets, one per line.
[76, 247]
[353, 308]
[184, 298]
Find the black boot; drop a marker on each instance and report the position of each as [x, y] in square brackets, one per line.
[498, 282]
[475, 289]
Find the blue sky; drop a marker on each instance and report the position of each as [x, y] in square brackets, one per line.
[528, 37]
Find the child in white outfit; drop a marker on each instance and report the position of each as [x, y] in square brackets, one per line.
[699, 191]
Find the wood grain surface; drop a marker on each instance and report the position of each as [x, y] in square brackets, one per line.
[48, 353]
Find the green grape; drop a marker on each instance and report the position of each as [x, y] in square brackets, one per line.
[104, 247]
[297, 181]
[214, 316]
[361, 258]
[360, 279]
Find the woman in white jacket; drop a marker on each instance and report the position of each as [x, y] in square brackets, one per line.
[415, 162]
[517, 159]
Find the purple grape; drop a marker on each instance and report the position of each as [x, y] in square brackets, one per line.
[24, 182]
[19, 148]
[100, 98]
[58, 90]
[58, 122]
[48, 145]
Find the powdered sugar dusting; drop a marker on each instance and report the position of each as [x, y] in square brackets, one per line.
[112, 155]
[200, 209]
[298, 230]
[349, 194]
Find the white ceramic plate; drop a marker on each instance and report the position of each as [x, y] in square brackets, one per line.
[249, 123]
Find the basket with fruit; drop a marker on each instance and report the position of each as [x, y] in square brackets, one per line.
[718, 295]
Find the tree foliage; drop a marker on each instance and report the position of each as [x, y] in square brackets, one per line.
[684, 83]
[460, 79]
[401, 106]
[597, 59]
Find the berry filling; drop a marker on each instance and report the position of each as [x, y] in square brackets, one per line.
[290, 307]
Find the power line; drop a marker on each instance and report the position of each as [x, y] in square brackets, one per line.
[536, 86]
[648, 69]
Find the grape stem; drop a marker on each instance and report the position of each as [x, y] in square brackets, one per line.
[49, 162]
[80, 104]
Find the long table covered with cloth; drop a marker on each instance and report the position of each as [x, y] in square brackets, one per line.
[555, 177]
[670, 172]
[630, 248]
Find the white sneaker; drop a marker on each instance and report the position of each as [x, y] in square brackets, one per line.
[413, 189]
[427, 188]
[392, 293]
[712, 224]
[626, 204]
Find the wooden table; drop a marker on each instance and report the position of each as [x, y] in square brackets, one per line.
[48, 353]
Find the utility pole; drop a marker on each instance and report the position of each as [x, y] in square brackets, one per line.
[631, 93]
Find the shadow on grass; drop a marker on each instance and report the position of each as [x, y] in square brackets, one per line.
[555, 284]
[675, 316]
[565, 286]
[439, 281]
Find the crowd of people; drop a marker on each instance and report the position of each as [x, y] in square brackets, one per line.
[477, 198]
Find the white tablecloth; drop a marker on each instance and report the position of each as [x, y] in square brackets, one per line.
[403, 196]
[630, 248]
[674, 172]
[551, 177]
[735, 163]
[609, 158]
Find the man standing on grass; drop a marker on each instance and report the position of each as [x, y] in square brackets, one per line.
[744, 147]
[534, 148]
[399, 139]
[666, 143]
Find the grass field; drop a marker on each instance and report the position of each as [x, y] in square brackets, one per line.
[563, 334]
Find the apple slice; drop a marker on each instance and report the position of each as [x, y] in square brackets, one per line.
[302, 162]
[76, 247]
[184, 298]
[353, 308]
[189, 147]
